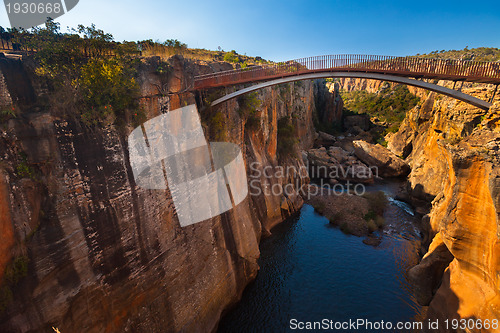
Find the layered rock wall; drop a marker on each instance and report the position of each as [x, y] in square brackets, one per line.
[104, 255]
[453, 150]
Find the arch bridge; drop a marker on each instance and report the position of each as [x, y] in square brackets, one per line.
[406, 70]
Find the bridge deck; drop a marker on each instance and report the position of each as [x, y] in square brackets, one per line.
[454, 70]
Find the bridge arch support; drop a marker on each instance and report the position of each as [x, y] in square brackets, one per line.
[362, 75]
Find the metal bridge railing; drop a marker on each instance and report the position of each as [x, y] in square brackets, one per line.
[464, 70]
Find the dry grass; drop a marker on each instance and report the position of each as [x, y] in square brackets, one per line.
[166, 52]
[159, 50]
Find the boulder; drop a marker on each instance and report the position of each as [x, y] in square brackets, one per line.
[401, 142]
[338, 153]
[325, 139]
[372, 240]
[362, 121]
[388, 164]
[333, 181]
[336, 163]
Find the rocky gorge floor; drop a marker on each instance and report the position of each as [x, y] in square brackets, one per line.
[341, 167]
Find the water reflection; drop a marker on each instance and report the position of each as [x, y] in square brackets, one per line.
[310, 271]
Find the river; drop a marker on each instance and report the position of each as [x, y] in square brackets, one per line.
[311, 271]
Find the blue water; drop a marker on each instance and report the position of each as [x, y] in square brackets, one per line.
[311, 271]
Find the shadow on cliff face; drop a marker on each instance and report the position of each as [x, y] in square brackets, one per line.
[18, 82]
[107, 254]
[426, 277]
[444, 305]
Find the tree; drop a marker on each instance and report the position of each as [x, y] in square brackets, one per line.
[2, 33]
[96, 42]
[176, 45]
[106, 87]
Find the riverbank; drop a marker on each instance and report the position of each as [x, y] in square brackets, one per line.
[359, 215]
[311, 270]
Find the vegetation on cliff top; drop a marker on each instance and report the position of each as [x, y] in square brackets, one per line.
[148, 48]
[20, 39]
[477, 54]
[93, 77]
[88, 74]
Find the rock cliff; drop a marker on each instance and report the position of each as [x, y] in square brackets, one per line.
[453, 150]
[374, 86]
[84, 249]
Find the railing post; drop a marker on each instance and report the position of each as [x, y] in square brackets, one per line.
[464, 70]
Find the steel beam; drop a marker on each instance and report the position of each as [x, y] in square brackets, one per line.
[362, 75]
[494, 93]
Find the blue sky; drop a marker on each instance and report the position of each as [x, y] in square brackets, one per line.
[281, 30]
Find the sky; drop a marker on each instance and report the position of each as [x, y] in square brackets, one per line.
[283, 30]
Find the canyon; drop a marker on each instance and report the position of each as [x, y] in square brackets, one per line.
[454, 156]
[85, 249]
[453, 151]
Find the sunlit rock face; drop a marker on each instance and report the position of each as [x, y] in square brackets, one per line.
[453, 150]
[105, 255]
[467, 216]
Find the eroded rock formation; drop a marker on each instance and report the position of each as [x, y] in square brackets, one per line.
[95, 252]
[386, 162]
[453, 150]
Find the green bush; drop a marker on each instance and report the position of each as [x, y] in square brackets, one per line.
[212, 95]
[390, 104]
[163, 68]
[371, 226]
[7, 112]
[175, 44]
[286, 138]
[24, 170]
[383, 142]
[477, 54]
[247, 110]
[319, 207]
[218, 126]
[59, 56]
[17, 270]
[14, 272]
[232, 57]
[377, 202]
[392, 128]
[85, 69]
[107, 88]
[248, 104]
